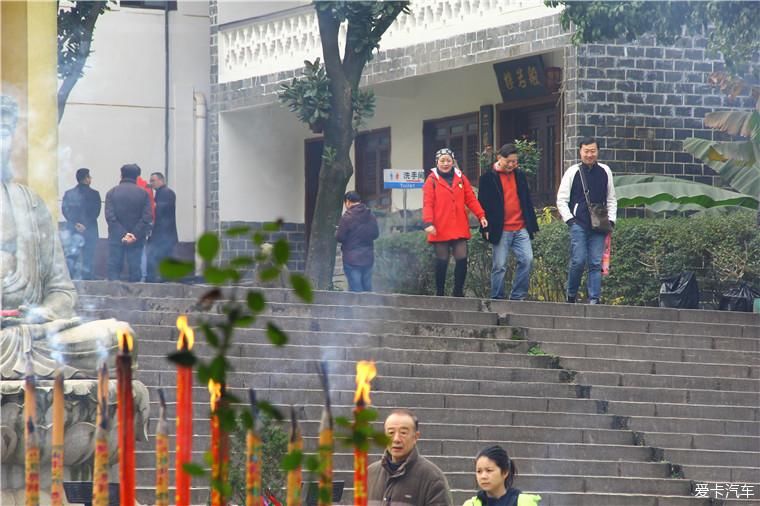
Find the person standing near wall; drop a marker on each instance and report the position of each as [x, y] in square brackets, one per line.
[357, 232]
[588, 181]
[81, 208]
[129, 218]
[446, 193]
[163, 237]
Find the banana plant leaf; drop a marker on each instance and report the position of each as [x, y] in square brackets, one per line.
[741, 175]
[684, 193]
[744, 123]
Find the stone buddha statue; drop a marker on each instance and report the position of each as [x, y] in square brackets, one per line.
[36, 294]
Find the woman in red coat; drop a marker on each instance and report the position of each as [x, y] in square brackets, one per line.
[444, 196]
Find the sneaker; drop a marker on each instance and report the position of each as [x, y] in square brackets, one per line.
[593, 301]
[571, 299]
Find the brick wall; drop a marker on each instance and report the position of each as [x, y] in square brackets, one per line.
[641, 101]
[243, 246]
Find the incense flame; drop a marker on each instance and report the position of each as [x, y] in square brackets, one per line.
[215, 389]
[125, 340]
[365, 372]
[186, 334]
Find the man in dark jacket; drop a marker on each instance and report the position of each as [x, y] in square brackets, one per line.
[586, 245]
[129, 218]
[357, 232]
[81, 208]
[403, 477]
[504, 194]
[163, 238]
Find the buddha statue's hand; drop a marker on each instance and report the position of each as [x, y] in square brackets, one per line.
[44, 330]
[37, 314]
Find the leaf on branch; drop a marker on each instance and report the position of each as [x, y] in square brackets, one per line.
[302, 286]
[269, 273]
[184, 358]
[194, 469]
[208, 246]
[269, 410]
[255, 301]
[292, 460]
[281, 251]
[276, 336]
[172, 268]
[237, 231]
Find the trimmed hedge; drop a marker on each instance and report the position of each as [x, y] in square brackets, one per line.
[720, 248]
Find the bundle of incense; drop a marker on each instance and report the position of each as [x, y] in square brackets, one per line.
[162, 454]
[326, 443]
[294, 475]
[253, 458]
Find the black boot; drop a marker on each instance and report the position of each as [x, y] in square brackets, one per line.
[460, 272]
[441, 266]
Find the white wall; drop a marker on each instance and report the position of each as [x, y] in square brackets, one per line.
[404, 106]
[115, 114]
[237, 10]
[261, 165]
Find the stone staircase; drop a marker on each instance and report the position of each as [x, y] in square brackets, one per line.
[598, 405]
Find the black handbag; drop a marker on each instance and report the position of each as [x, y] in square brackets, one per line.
[600, 219]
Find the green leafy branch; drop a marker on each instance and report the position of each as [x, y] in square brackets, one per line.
[239, 310]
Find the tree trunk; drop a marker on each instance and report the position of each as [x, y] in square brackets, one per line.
[89, 18]
[334, 175]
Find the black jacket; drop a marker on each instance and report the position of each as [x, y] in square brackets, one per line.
[165, 227]
[491, 197]
[356, 232]
[128, 210]
[81, 204]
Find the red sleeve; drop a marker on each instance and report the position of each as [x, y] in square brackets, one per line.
[471, 200]
[428, 200]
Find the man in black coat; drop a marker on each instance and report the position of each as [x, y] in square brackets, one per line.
[81, 208]
[504, 194]
[130, 219]
[357, 232]
[163, 238]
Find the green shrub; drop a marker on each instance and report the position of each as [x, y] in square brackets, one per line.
[274, 447]
[720, 248]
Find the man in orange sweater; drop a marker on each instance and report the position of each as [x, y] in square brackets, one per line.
[505, 197]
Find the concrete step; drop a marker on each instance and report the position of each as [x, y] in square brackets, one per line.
[177, 290]
[348, 312]
[649, 352]
[620, 312]
[702, 441]
[642, 339]
[616, 325]
[290, 323]
[667, 381]
[623, 366]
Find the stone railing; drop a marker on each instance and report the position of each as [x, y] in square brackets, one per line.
[282, 41]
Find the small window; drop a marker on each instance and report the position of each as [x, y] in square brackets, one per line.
[373, 155]
[148, 4]
[460, 134]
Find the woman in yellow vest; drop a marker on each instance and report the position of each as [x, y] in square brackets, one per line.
[495, 472]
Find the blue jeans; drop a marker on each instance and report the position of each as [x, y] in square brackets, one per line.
[519, 242]
[359, 278]
[586, 248]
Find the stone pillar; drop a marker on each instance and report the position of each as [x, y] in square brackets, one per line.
[29, 73]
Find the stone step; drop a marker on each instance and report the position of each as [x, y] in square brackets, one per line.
[289, 323]
[667, 381]
[177, 290]
[687, 457]
[616, 325]
[703, 441]
[620, 312]
[595, 499]
[648, 352]
[642, 339]
[621, 366]
[440, 386]
[367, 313]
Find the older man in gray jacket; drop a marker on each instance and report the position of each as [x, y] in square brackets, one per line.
[403, 477]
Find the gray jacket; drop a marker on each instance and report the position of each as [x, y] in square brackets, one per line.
[417, 482]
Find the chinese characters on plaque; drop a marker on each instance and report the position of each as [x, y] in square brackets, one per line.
[524, 78]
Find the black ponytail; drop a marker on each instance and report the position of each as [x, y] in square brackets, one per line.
[499, 456]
